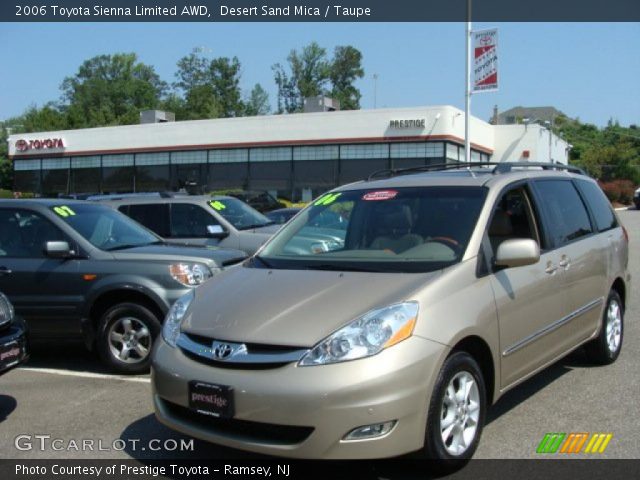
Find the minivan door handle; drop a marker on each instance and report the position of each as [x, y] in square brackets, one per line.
[4, 271]
[565, 262]
[551, 268]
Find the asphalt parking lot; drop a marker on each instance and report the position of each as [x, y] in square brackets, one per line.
[64, 392]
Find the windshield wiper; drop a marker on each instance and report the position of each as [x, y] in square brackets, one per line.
[131, 245]
[255, 225]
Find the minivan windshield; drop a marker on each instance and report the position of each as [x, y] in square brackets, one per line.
[238, 213]
[412, 229]
[104, 227]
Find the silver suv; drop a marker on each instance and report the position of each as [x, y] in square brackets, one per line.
[219, 221]
[395, 329]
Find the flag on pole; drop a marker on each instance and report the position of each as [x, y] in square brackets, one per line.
[485, 60]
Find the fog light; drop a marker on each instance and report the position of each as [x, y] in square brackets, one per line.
[370, 431]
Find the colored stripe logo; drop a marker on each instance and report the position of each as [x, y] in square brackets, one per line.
[574, 443]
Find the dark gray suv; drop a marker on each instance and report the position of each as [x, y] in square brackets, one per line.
[83, 270]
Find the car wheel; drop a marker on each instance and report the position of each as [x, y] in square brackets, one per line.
[125, 337]
[456, 412]
[605, 348]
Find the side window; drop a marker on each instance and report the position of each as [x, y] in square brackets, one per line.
[565, 212]
[513, 217]
[189, 220]
[599, 205]
[23, 234]
[154, 216]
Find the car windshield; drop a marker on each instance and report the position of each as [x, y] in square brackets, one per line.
[417, 229]
[104, 227]
[238, 213]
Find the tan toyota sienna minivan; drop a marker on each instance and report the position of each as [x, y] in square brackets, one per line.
[393, 325]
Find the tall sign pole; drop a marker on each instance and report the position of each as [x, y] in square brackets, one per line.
[467, 106]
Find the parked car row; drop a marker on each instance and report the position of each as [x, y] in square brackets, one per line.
[382, 319]
[83, 270]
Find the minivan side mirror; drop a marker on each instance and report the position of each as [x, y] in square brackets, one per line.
[517, 252]
[216, 231]
[58, 249]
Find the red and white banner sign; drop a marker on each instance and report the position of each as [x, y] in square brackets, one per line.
[485, 60]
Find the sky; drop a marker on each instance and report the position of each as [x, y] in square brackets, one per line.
[587, 70]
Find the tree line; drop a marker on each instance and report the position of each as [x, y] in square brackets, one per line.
[109, 90]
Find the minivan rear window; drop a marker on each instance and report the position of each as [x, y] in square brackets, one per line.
[599, 205]
[566, 215]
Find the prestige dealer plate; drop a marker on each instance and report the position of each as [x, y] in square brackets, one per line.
[211, 399]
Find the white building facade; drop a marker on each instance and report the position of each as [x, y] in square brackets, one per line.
[296, 156]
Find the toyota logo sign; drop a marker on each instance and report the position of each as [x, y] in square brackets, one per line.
[224, 351]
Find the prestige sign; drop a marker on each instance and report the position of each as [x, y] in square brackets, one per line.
[23, 145]
[410, 123]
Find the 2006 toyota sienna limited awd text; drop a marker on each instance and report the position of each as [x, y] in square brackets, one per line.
[395, 332]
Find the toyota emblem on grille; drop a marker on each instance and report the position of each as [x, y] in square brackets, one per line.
[224, 350]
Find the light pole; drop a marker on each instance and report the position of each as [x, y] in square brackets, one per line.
[467, 107]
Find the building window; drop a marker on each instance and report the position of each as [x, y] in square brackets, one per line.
[276, 154]
[228, 176]
[26, 165]
[229, 156]
[475, 156]
[117, 173]
[377, 150]
[453, 152]
[145, 159]
[313, 177]
[85, 174]
[323, 152]
[55, 176]
[26, 176]
[183, 158]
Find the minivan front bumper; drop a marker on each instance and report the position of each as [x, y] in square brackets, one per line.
[305, 412]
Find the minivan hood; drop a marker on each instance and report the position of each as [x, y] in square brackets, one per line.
[221, 256]
[295, 308]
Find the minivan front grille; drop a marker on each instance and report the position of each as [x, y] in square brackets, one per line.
[249, 356]
[243, 430]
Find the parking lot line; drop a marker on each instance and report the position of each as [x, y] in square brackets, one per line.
[100, 376]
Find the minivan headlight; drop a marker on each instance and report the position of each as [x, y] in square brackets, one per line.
[190, 274]
[173, 320]
[365, 336]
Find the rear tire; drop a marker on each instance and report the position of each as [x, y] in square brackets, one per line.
[456, 413]
[125, 337]
[605, 348]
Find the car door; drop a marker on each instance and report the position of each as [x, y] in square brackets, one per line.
[528, 298]
[583, 255]
[47, 292]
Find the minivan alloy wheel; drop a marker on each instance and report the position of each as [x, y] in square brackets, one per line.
[460, 413]
[614, 326]
[129, 340]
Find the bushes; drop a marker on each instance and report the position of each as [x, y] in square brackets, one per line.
[619, 191]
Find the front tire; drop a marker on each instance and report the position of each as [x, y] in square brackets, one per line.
[605, 348]
[456, 412]
[125, 337]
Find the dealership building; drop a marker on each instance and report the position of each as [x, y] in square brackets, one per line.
[296, 156]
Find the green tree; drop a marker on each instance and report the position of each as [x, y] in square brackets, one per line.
[310, 73]
[210, 88]
[346, 68]
[308, 76]
[258, 102]
[110, 90]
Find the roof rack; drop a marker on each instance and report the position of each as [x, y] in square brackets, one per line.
[499, 167]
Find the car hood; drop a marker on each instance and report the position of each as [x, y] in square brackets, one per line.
[221, 256]
[291, 307]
